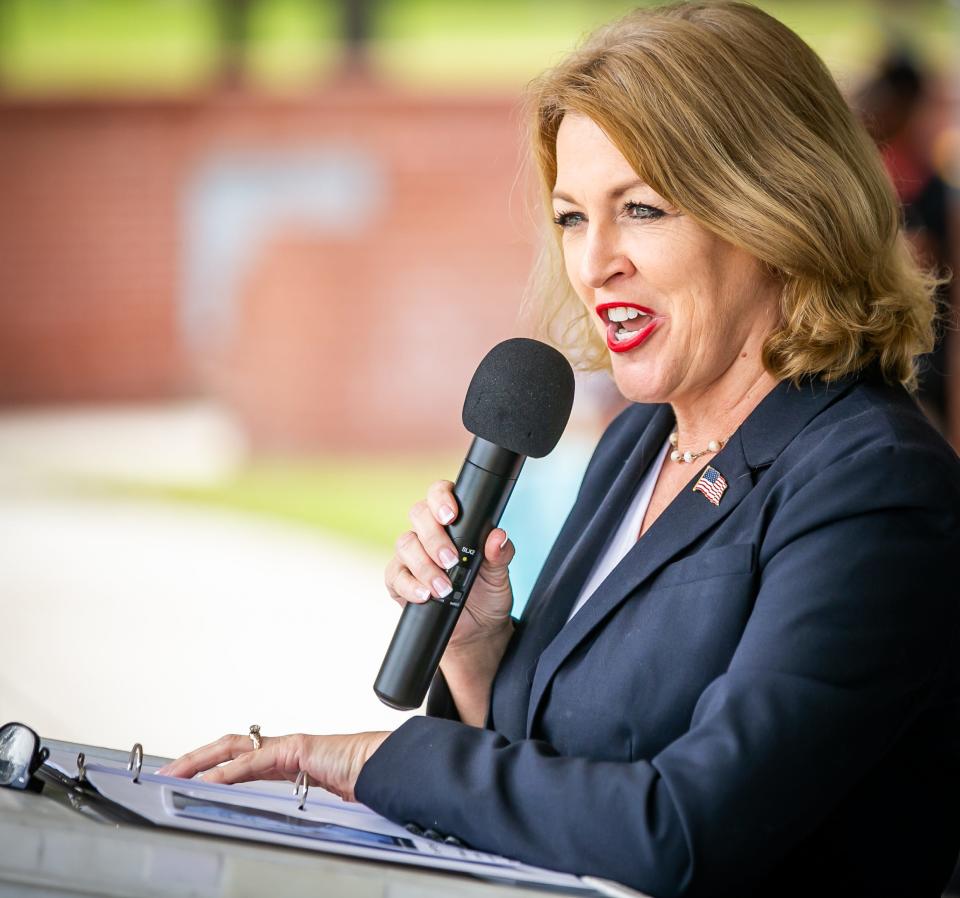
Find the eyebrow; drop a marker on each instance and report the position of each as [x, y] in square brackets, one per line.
[611, 194]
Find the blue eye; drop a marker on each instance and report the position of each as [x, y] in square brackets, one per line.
[642, 210]
[567, 219]
[638, 211]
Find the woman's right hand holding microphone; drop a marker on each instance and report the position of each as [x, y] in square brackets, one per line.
[417, 573]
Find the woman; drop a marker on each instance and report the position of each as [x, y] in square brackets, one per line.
[737, 672]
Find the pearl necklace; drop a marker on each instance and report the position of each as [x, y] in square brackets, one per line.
[687, 457]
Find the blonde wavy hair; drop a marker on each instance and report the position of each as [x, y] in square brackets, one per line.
[733, 119]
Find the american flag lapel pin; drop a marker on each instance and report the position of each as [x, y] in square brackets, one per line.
[712, 484]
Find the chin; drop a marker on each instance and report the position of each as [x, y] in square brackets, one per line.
[638, 383]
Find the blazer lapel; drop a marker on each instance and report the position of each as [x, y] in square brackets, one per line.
[598, 528]
[582, 539]
[688, 518]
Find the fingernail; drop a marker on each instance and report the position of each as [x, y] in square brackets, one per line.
[442, 587]
[422, 593]
[506, 539]
[446, 514]
[447, 558]
[162, 771]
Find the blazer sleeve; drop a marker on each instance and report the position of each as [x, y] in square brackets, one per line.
[853, 621]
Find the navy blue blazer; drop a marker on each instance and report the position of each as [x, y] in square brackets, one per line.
[763, 698]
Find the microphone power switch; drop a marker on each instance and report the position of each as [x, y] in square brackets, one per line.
[458, 576]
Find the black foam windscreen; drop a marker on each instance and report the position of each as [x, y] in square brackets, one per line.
[520, 397]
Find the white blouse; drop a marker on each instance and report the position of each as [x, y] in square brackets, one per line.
[627, 533]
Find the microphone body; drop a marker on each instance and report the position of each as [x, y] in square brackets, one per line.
[483, 487]
[517, 406]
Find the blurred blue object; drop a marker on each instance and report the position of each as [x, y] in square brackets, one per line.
[538, 507]
[238, 200]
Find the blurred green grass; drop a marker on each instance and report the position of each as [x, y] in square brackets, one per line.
[363, 499]
[170, 46]
[504, 44]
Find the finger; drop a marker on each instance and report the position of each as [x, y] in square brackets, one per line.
[278, 759]
[252, 765]
[498, 550]
[441, 502]
[188, 764]
[224, 749]
[410, 589]
[418, 563]
[433, 537]
[394, 568]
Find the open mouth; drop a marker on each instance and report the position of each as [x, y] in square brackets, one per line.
[628, 325]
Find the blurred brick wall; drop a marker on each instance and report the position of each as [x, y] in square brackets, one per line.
[88, 251]
[362, 340]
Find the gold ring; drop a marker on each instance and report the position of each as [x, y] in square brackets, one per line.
[255, 735]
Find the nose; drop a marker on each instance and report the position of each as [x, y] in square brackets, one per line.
[603, 258]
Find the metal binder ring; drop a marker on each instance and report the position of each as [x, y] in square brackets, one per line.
[81, 767]
[135, 761]
[304, 780]
[255, 735]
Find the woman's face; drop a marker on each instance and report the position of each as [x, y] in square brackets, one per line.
[678, 307]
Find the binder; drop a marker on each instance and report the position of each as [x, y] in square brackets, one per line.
[84, 797]
[131, 793]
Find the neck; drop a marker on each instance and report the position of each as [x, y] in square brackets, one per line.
[716, 412]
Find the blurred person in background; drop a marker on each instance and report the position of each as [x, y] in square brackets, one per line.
[737, 673]
[895, 105]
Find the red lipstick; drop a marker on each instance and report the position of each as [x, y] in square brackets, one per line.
[613, 343]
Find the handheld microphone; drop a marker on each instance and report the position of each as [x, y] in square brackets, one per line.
[517, 405]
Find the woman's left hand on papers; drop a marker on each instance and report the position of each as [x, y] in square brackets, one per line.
[332, 762]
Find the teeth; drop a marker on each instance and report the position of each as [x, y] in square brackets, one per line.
[624, 313]
[624, 334]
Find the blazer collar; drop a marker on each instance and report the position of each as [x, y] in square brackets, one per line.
[786, 410]
[779, 417]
